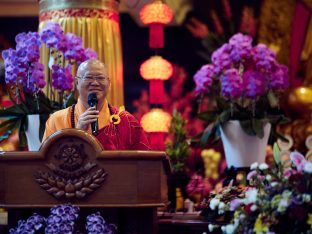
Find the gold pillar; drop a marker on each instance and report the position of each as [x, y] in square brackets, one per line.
[97, 23]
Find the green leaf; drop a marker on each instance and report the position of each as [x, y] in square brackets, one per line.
[8, 122]
[208, 132]
[8, 130]
[247, 127]
[225, 116]
[21, 133]
[276, 153]
[70, 100]
[222, 104]
[209, 116]
[273, 100]
[257, 126]
[11, 111]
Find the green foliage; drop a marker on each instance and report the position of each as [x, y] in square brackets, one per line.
[178, 148]
[252, 118]
[276, 154]
[15, 116]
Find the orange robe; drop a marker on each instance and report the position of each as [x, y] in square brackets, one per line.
[127, 135]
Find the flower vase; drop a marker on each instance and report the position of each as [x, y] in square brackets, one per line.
[32, 132]
[241, 149]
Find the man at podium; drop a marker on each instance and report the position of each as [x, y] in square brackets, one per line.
[115, 129]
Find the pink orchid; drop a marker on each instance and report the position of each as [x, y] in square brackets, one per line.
[288, 172]
[298, 159]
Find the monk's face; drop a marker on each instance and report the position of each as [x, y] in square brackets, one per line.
[93, 79]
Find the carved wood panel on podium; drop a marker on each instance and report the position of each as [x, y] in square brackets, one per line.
[71, 166]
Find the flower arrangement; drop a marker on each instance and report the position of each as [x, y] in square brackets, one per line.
[277, 200]
[25, 75]
[62, 219]
[244, 82]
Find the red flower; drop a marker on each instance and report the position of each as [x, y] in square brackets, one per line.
[298, 212]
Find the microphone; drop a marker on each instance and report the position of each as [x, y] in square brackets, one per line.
[92, 101]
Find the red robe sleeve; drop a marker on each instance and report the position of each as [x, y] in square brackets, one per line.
[138, 140]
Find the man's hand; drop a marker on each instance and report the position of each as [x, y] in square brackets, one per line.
[89, 116]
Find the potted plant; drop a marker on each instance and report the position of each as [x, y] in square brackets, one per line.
[244, 83]
[178, 151]
[25, 78]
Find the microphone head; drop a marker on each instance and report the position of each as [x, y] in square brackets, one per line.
[92, 99]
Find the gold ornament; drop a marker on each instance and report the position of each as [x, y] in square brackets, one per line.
[115, 118]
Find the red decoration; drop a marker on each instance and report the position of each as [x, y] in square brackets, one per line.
[157, 140]
[156, 15]
[156, 70]
[156, 123]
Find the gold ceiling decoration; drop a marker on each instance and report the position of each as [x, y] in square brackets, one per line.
[308, 3]
[275, 26]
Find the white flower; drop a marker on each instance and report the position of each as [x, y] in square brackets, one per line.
[306, 197]
[251, 196]
[242, 216]
[254, 166]
[221, 205]
[282, 205]
[210, 227]
[263, 166]
[273, 184]
[229, 229]
[268, 177]
[308, 167]
[253, 207]
[213, 203]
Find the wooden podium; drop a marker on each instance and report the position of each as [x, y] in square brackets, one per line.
[72, 167]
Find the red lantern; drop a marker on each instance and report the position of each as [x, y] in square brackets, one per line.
[156, 15]
[156, 123]
[156, 70]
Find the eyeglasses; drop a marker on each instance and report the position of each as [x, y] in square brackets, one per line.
[100, 79]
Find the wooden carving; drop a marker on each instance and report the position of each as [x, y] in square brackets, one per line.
[71, 172]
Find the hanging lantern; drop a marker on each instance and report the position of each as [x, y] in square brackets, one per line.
[156, 123]
[156, 70]
[156, 15]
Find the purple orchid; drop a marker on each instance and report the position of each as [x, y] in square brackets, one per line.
[231, 84]
[264, 58]
[52, 35]
[32, 224]
[97, 225]
[279, 78]
[62, 78]
[22, 65]
[221, 58]
[254, 84]
[75, 50]
[90, 54]
[240, 47]
[203, 78]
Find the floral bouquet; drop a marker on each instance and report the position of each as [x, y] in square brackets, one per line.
[63, 219]
[25, 75]
[244, 83]
[278, 199]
